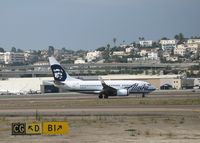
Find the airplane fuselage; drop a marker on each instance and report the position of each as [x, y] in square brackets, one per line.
[132, 86]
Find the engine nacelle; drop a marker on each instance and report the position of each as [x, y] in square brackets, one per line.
[122, 92]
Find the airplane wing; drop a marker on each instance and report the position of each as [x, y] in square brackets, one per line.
[108, 89]
[111, 91]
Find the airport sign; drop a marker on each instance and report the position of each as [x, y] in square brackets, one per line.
[34, 128]
[18, 128]
[40, 128]
[55, 128]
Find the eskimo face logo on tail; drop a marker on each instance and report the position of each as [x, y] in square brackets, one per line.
[58, 73]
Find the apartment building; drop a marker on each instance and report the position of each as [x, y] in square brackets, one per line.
[119, 53]
[79, 61]
[1, 57]
[193, 41]
[146, 43]
[129, 49]
[93, 55]
[11, 58]
[168, 44]
[153, 55]
[194, 48]
[180, 50]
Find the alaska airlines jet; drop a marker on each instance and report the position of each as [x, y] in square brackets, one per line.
[103, 88]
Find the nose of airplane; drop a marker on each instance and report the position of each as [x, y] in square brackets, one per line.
[152, 88]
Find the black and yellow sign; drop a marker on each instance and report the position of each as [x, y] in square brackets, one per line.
[39, 128]
[18, 128]
[34, 128]
[54, 128]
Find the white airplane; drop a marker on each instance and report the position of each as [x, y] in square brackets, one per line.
[103, 88]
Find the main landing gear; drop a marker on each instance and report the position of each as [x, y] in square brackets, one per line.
[101, 95]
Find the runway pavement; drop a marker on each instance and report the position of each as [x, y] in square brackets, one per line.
[87, 105]
[75, 95]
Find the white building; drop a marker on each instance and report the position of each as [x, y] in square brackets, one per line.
[146, 43]
[79, 61]
[180, 50]
[10, 57]
[22, 85]
[173, 58]
[41, 63]
[168, 44]
[1, 57]
[153, 55]
[93, 55]
[129, 49]
[129, 59]
[143, 52]
[123, 45]
[197, 82]
[194, 48]
[41, 66]
[193, 41]
[119, 53]
[27, 55]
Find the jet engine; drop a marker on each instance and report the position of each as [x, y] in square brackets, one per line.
[122, 92]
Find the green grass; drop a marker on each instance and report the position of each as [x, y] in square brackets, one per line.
[133, 132]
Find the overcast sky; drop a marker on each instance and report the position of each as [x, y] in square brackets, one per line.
[89, 24]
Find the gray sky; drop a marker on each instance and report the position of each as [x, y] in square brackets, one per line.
[89, 24]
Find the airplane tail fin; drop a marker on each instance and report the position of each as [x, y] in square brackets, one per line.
[59, 73]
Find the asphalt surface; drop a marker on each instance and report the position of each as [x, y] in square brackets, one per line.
[70, 104]
[75, 95]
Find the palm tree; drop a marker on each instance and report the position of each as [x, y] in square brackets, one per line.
[114, 41]
[141, 38]
[106, 53]
[108, 46]
[179, 37]
[13, 49]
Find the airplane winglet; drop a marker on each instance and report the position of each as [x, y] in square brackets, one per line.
[102, 82]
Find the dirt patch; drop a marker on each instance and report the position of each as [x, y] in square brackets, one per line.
[114, 129]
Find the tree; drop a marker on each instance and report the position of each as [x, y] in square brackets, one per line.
[164, 38]
[156, 45]
[19, 51]
[106, 53]
[146, 72]
[108, 46]
[63, 49]
[101, 49]
[180, 37]
[2, 50]
[13, 49]
[51, 50]
[116, 49]
[114, 41]
[141, 38]
[134, 44]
